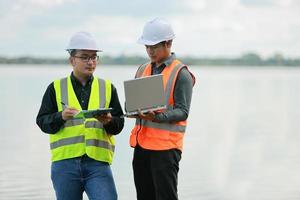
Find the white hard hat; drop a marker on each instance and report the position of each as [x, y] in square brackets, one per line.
[156, 31]
[82, 40]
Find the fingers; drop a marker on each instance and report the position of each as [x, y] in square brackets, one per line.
[146, 116]
[105, 118]
[133, 116]
[68, 113]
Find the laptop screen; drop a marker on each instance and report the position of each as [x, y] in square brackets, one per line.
[145, 93]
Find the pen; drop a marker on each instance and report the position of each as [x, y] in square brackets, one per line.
[65, 105]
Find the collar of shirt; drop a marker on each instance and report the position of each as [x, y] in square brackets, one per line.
[82, 92]
[77, 83]
[167, 62]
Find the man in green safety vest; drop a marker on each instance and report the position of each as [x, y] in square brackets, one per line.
[82, 147]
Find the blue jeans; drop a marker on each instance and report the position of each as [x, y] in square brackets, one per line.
[71, 177]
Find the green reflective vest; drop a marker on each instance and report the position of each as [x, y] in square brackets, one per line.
[82, 136]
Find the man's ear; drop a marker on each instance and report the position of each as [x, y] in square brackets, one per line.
[71, 60]
[169, 44]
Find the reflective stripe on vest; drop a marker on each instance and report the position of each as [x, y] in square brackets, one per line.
[73, 122]
[99, 143]
[163, 126]
[80, 136]
[170, 83]
[67, 141]
[140, 70]
[93, 124]
[80, 139]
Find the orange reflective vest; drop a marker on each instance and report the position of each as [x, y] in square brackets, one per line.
[160, 136]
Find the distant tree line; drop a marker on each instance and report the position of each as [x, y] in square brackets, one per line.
[108, 60]
[249, 59]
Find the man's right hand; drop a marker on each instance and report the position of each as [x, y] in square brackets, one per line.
[68, 113]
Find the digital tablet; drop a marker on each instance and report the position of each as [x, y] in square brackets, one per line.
[92, 113]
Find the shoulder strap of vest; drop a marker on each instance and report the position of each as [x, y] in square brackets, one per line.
[102, 92]
[141, 69]
[61, 88]
[172, 79]
[64, 90]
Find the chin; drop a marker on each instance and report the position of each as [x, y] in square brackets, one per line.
[153, 60]
[89, 73]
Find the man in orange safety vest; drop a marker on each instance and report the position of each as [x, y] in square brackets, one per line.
[157, 137]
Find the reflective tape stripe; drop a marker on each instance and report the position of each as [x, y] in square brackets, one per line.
[93, 124]
[100, 143]
[163, 126]
[64, 99]
[141, 69]
[67, 141]
[73, 122]
[64, 90]
[102, 92]
[170, 83]
[88, 124]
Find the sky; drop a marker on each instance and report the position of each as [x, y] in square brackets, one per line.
[203, 28]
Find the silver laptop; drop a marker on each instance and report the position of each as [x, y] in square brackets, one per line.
[145, 93]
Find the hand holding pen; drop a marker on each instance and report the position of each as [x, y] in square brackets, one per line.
[68, 112]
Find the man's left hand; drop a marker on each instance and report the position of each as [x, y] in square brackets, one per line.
[150, 115]
[105, 118]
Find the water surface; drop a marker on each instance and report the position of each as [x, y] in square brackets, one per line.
[242, 141]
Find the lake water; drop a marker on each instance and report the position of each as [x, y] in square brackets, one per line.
[242, 141]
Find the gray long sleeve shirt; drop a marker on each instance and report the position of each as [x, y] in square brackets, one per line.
[182, 93]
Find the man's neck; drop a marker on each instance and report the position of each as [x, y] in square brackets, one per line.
[159, 63]
[82, 79]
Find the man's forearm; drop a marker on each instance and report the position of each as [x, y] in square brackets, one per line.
[115, 126]
[50, 123]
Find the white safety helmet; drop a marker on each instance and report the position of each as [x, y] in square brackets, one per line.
[82, 40]
[156, 31]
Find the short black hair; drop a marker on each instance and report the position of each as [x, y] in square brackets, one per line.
[166, 42]
[72, 52]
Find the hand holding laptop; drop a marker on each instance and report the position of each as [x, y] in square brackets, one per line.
[149, 115]
[144, 95]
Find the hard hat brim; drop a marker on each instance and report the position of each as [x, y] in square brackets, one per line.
[98, 50]
[148, 42]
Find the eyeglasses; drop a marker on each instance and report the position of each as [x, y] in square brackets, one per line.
[87, 58]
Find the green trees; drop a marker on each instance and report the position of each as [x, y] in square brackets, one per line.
[248, 59]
